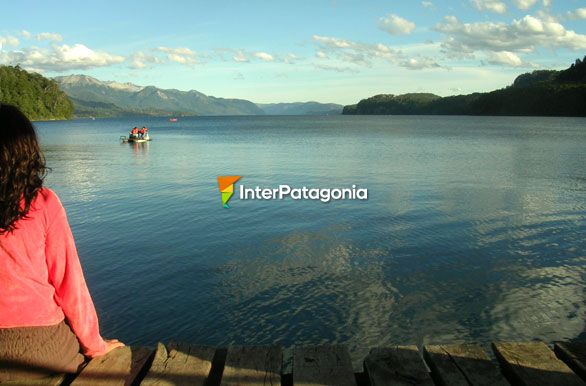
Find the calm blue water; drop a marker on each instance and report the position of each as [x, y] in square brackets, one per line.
[473, 231]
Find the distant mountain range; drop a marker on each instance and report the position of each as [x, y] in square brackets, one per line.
[92, 97]
[301, 108]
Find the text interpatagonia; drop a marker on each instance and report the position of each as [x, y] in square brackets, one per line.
[303, 193]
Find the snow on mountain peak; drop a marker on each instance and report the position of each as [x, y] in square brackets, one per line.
[88, 80]
[130, 87]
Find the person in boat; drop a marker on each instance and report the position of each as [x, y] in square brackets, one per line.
[134, 132]
[143, 132]
[48, 322]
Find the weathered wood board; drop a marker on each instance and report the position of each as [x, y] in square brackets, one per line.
[253, 366]
[119, 367]
[534, 364]
[323, 366]
[54, 380]
[399, 365]
[463, 364]
[180, 364]
[574, 355]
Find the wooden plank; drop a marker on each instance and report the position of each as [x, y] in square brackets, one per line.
[399, 365]
[253, 366]
[180, 364]
[119, 367]
[54, 380]
[534, 364]
[323, 366]
[574, 354]
[463, 364]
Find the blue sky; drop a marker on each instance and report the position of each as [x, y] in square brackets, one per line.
[284, 51]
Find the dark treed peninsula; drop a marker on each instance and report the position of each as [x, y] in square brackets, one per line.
[38, 97]
[540, 93]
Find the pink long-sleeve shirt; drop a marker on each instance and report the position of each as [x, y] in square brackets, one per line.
[41, 280]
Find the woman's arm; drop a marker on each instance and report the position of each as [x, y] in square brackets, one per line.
[71, 292]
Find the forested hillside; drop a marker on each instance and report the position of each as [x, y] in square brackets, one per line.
[543, 92]
[38, 97]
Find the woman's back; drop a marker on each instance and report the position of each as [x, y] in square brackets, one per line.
[47, 317]
[27, 297]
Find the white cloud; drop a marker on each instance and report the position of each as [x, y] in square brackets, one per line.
[419, 63]
[396, 25]
[524, 4]
[333, 53]
[495, 6]
[333, 42]
[176, 50]
[141, 60]
[545, 15]
[329, 67]
[523, 35]
[181, 59]
[81, 56]
[240, 57]
[8, 40]
[264, 56]
[243, 56]
[579, 13]
[353, 52]
[546, 3]
[427, 4]
[320, 54]
[291, 58]
[25, 34]
[53, 37]
[181, 55]
[505, 58]
[60, 58]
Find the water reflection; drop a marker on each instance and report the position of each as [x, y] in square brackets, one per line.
[551, 307]
[140, 148]
[304, 284]
[337, 282]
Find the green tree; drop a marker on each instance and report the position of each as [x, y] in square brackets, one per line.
[36, 96]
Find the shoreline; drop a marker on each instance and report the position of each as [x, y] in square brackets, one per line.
[312, 116]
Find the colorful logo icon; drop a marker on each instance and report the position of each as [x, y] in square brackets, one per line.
[226, 184]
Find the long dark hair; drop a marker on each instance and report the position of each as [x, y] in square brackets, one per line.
[22, 166]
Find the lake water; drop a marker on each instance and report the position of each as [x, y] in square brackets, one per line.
[474, 228]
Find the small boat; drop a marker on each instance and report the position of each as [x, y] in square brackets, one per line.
[172, 119]
[132, 139]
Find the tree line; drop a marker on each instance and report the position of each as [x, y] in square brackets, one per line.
[36, 96]
[543, 93]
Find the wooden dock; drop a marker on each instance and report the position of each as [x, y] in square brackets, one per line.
[534, 364]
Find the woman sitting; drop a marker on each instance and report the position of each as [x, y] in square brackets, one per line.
[47, 318]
